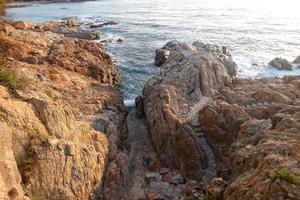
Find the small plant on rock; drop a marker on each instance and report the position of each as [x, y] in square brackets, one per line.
[9, 79]
[284, 174]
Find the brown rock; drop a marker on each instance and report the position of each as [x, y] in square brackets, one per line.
[174, 97]
[154, 165]
[215, 189]
[23, 25]
[168, 177]
[68, 85]
[139, 107]
[153, 196]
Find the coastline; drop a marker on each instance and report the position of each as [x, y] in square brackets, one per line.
[19, 4]
[198, 132]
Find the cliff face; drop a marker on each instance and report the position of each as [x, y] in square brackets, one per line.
[63, 127]
[211, 126]
[173, 99]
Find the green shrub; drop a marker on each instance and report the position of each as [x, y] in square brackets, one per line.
[9, 79]
[284, 174]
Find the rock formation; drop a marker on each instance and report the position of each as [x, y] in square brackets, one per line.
[190, 75]
[281, 64]
[206, 124]
[63, 129]
[65, 134]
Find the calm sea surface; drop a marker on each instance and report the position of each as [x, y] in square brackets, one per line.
[254, 31]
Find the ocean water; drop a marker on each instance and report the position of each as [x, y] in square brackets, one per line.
[255, 31]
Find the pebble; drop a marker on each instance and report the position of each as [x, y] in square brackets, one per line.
[164, 171]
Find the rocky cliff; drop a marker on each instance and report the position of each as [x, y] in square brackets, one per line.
[237, 138]
[62, 117]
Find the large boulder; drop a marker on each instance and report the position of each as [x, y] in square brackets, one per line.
[281, 64]
[173, 98]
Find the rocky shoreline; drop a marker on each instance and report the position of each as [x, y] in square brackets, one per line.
[198, 132]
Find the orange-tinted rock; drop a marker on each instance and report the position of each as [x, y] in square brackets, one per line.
[68, 120]
[23, 25]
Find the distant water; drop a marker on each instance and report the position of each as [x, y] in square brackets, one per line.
[255, 31]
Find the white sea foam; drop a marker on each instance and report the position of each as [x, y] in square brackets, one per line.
[129, 103]
[253, 34]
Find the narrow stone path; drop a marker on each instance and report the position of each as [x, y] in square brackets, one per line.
[148, 179]
[141, 151]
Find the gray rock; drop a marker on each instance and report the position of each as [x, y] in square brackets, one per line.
[297, 60]
[99, 25]
[281, 64]
[152, 176]
[177, 179]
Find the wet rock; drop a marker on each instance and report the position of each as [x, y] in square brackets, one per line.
[100, 25]
[281, 64]
[139, 104]
[120, 40]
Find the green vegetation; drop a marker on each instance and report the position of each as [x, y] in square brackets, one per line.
[193, 197]
[34, 198]
[50, 94]
[277, 133]
[205, 197]
[10, 80]
[233, 147]
[284, 174]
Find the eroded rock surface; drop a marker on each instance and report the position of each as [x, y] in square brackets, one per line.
[65, 127]
[173, 98]
[208, 124]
